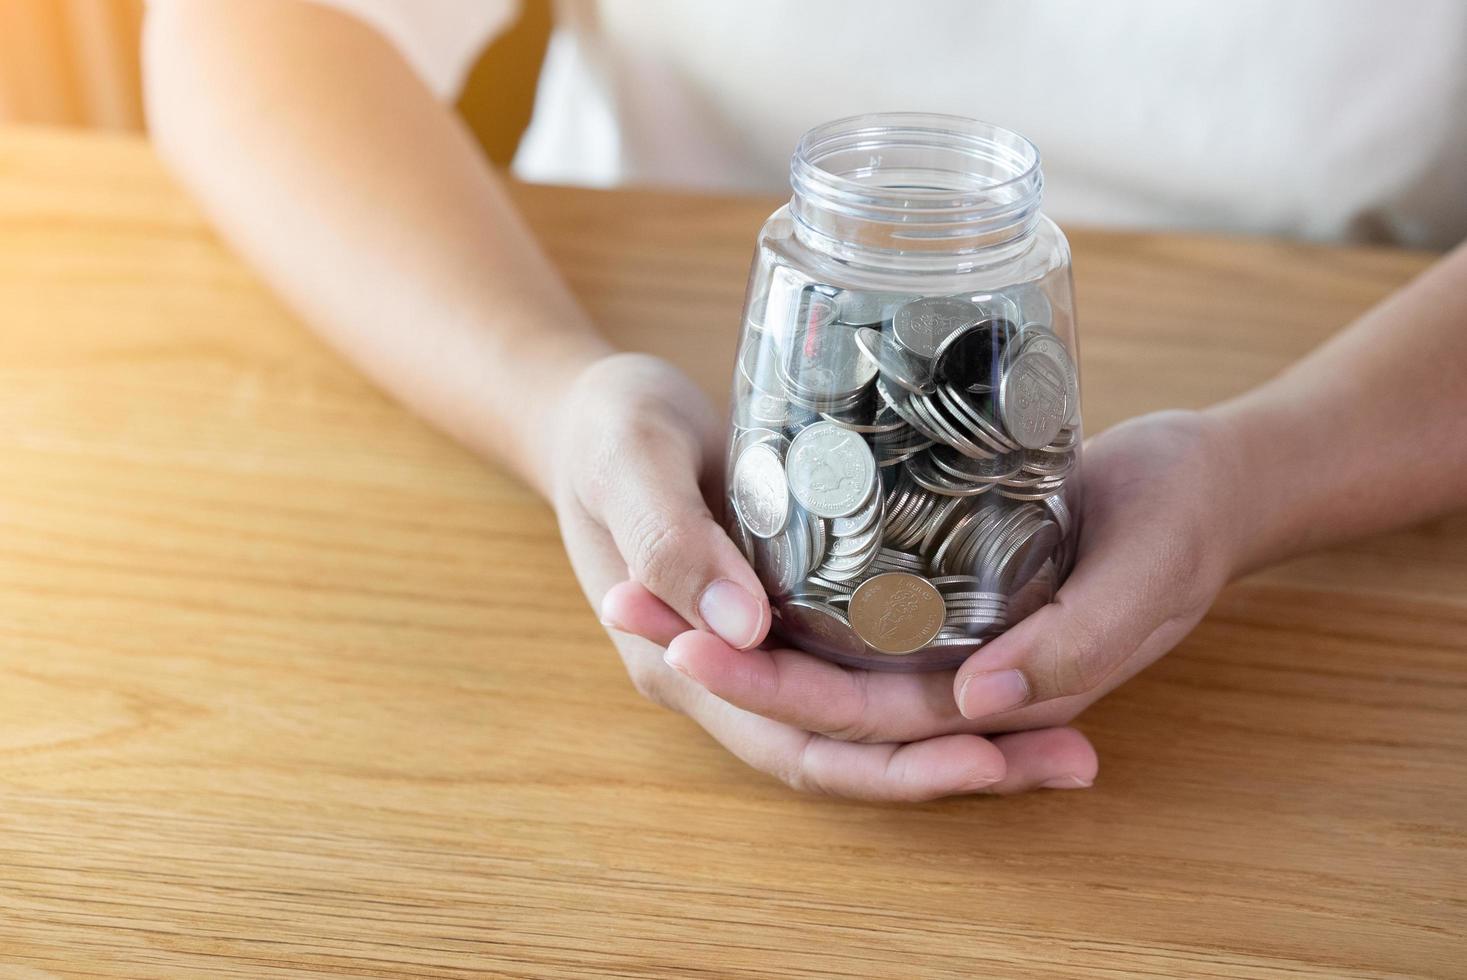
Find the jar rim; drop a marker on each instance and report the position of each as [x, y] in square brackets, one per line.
[875, 186]
[945, 130]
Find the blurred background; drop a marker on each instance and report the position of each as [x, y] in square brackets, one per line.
[1326, 127]
[71, 62]
[76, 63]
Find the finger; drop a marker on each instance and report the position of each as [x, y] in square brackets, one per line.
[814, 763]
[911, 772]
[815, 695]
[1049, 758]
[646, 493]
[1115, 615]
[630, 608]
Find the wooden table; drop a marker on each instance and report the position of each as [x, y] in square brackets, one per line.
[289, 684]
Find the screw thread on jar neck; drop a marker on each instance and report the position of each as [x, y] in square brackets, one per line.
[915, 190]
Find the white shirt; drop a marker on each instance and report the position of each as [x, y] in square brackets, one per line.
[1323, 119]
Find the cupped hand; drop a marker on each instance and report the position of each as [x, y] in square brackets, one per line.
[638, 455]
[1161, 530]
[1157, 543]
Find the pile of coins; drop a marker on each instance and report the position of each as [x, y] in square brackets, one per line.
[899, 470]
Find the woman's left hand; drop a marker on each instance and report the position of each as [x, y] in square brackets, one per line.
[1157, 544]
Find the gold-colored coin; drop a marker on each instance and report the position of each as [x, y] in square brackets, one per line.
[897, 612]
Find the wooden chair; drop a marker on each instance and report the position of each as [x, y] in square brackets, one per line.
[75, 63]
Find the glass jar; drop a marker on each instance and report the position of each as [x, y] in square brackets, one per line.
[905, 442]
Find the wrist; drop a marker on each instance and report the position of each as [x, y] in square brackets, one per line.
[1260, 487]
[616, 395]
[544, 397]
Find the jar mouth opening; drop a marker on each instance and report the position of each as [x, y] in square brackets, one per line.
[917, 162]
[896, 184]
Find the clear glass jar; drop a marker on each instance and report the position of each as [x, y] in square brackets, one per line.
[905, 442]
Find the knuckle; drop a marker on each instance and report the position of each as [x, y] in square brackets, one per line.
[799, 774]
[657, 544]
[615, 441]
[855, 730]
[641, 425]
[854, 722]
[1082, 662]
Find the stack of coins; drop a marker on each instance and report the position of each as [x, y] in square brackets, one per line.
[899, 468]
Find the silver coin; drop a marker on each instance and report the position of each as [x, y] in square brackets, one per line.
[929, 477]
[766, 410]
[1036, 547]
[942, 521]
[995, 469]
[780, 561]
[900, 402]
[845, 564]
[817, 306]
[956, 538]
[904, 533]
[862, 308]
[862, 520]
[885, 423]
[830, 470]
[960, 583]
[1033, 595]
[1067, 440]
[894, 363]
[1032, 398]
[761, 496]
[757, 434]
[819, 625]
[968, 358]
[945, 420]
[976, 420]
[839, 588]
[855, 544]
[1042, 340]
[824, 366]
[1032, 303]
[851, 577]
[922, 325]
[1037, 494]
[1060, 511]
[926, 409]
[956, 640]
[818, 538]
[758, 366]
[1041, 462]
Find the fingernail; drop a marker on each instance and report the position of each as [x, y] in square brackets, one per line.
[674, 659]
[730, 611]
[607, 620]
[992, 692]
[1067, 782]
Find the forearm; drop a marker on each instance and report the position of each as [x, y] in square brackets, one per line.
[364, 202]
[1366, 434]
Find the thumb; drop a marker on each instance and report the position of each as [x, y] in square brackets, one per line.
[653, 507]
[1122, 608]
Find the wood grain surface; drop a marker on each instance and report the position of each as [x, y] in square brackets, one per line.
[292, 686]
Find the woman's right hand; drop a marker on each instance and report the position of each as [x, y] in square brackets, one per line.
[638, 454]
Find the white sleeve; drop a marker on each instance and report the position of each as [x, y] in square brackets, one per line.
[441, 39]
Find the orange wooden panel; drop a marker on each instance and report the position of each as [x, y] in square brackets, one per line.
[71, 62]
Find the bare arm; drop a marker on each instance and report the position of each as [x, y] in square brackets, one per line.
[1367, 433]
[364, 202]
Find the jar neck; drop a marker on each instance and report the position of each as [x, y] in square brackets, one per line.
[915, 191]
